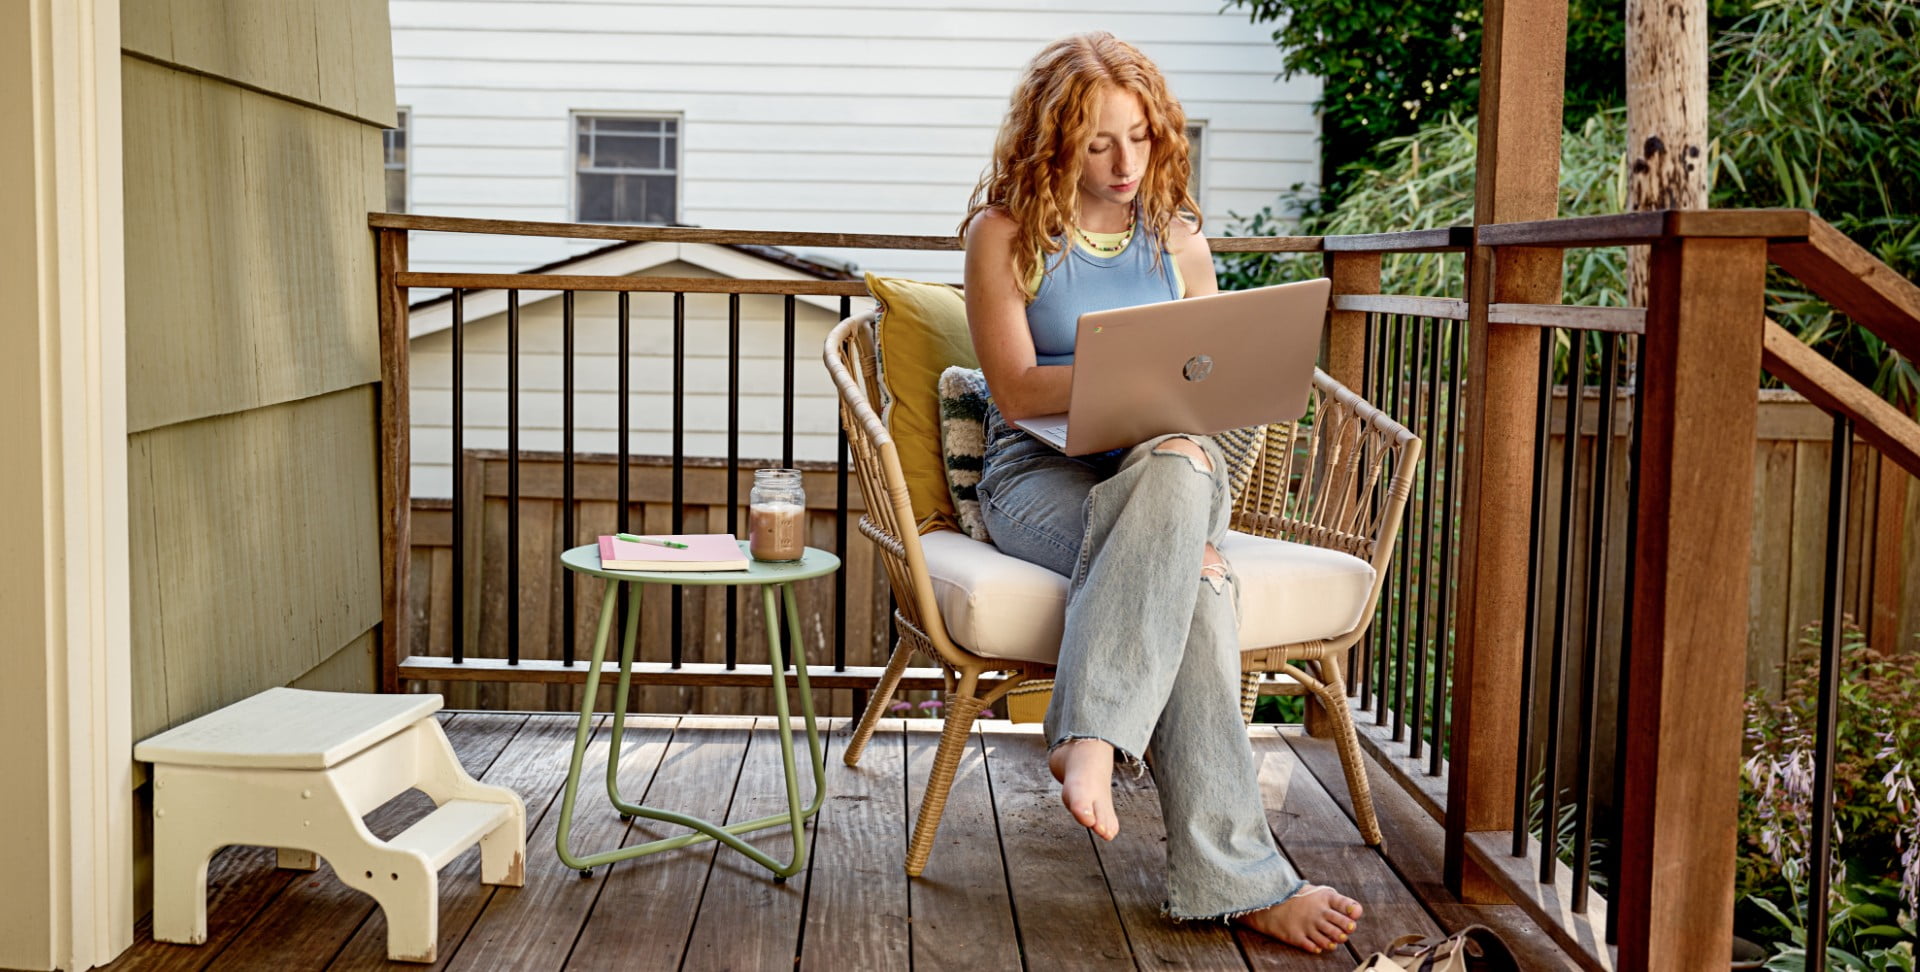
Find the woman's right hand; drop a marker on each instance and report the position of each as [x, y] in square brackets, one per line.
[997, 320]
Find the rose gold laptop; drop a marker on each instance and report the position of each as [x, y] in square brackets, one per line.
[1199, 366]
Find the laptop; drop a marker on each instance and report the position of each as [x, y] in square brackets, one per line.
[1197, 366]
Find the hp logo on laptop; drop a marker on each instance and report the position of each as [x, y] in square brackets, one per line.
[1198, 368]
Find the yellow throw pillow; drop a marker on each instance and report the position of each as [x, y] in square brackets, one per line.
[921, 332]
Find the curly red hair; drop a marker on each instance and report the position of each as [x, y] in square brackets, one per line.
[1038, 155]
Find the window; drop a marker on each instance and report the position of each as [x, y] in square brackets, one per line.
[1196, 131]
[626, 169]
[395, 142]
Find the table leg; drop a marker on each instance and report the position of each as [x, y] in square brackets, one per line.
[797, 645]
[636, 592]
[796, 815]
[580, 736]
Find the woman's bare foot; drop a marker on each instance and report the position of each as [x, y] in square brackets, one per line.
[1084, 768]
[1315, 919]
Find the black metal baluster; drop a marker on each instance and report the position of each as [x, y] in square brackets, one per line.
[679, 455]
[1390, 390]
[623, 410]
[786, 436]
[733, 462]
[1827, 712]
[1536, 548]
[566, 474]
[624, 419]
[459, 474]
[1600, 508]
[840, 534]
[1556, 670]
[1456, 387]
[1427, 580]
[1357, 655]
[1626, 641]
[1362, 672]
[513, 475]
[786, 393]
[1404, 398]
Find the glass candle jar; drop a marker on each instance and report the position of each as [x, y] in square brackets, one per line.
[776, 515]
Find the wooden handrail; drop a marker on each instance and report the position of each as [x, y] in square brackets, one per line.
[1824, 383]
[1450, 239]
[1842, 273]
[651, 285]
[1623, 229]
[857, 241]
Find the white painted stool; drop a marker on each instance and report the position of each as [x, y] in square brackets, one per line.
[296, 770]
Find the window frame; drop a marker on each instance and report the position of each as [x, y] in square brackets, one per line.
[1197, 127]
[574, 170]
[403, 118]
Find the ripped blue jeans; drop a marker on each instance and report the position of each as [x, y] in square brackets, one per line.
[1150, 657]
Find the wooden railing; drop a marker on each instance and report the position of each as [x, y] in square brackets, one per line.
[1450, 680]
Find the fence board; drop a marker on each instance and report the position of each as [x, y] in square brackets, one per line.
[704, 614]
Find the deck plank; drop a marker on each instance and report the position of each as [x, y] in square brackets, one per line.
[1284, 787]
[1412, 845]
[307, 924]
[647, 908]
[1066, 916]
[240, 882]
[962, 915]
[1136, 865]
[1325, 845]
[533, 764]
[1009, 886]
[738, 886]
[856, 890]
[532, 927]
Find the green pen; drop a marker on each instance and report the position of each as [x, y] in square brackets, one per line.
[632, 538]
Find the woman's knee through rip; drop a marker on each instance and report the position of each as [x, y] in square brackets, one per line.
[1213, 567]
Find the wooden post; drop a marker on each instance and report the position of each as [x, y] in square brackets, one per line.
[1352, 273]
[1886, 581]
[396, 486]
[1666, 116]
[1689, 617]
[1518, 179]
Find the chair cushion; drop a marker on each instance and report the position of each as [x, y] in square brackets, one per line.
[921, 332]
[963, 444]
[1000, 606]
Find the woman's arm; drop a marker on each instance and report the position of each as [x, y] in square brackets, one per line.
[1195, 258]
[997, 319]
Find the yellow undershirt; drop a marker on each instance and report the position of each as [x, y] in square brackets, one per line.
[1087, 242]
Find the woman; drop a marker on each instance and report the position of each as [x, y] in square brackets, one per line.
[1085, 208]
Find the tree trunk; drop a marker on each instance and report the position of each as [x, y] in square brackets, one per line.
[1666, 115]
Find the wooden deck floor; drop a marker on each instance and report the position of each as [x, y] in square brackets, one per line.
[1013, 884]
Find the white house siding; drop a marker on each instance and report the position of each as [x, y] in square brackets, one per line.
[596, 378]
[859, 116]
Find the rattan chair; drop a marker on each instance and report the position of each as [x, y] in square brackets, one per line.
[1338, 482]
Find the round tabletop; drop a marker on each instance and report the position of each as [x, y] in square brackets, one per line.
[814, 563]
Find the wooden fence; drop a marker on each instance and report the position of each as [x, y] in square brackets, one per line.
[1792, 449]
[704, 610]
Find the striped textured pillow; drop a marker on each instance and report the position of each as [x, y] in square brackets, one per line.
[963, 443]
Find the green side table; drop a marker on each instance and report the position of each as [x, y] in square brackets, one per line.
[766, 576]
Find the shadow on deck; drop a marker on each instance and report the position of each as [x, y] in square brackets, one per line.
[1013, 883]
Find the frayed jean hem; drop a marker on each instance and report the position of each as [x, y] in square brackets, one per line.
[1166, 908]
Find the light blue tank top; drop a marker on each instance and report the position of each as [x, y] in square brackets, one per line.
[1078, 282]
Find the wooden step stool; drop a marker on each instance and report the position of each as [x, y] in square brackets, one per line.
[297, 770]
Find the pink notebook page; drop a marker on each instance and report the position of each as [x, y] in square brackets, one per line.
[720, 550]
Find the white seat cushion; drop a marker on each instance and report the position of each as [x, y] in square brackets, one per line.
[1003, 607]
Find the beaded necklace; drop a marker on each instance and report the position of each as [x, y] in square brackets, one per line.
[1109, 248]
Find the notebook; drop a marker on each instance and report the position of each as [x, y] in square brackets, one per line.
[705, 551]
